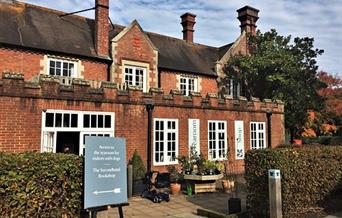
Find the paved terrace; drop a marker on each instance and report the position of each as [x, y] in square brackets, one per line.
[179, 206]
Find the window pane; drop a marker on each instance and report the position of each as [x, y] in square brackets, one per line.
[100, 120]
[58, 122]
[52, 64]
[65, 72]
[58, 72]
[74, 119]
[52, 71]
[108, 120]
[93, 121]
[49, 119]
[71, 69]
[66, 120]
[86, 121]
[157, 125]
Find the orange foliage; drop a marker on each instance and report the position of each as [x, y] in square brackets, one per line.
[332, 93]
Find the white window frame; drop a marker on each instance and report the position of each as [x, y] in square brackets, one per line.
[231, 87]
[72, 74]
[165, 161]
[257, 139]
[134, 69]
[187, 85]
[53, 130]
[217, 132]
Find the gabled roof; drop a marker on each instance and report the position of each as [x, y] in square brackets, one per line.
[35, 27]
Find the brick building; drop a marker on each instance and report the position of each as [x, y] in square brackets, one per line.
[67, 76]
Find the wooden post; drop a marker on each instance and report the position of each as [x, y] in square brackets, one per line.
[274, 188]
[130, 180]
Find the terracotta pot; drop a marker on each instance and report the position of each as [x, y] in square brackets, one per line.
[297, 141]
[175, 188]
[228, 185]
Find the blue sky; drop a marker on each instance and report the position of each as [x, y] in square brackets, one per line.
[217, 24]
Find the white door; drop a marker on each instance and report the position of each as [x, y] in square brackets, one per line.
[49, 141]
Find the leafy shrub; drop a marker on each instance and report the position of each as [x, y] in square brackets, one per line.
[310, 177]
[139, 169]
[40, 184]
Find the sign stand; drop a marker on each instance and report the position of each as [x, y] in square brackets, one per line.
[105, 174]
[93, 211]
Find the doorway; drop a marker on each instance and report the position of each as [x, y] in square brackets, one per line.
[68, 142]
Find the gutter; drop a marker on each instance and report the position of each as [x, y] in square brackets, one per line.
[149, 108]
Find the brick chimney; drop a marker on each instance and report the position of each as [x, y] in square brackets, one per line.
[102, 27]
[248, 17]
[188, 22]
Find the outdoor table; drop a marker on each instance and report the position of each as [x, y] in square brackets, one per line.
[202, 183]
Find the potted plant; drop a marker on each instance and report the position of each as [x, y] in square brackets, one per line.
[200, 163]
[210, 167]
[139, 173]
[185, 164]
[175, 177]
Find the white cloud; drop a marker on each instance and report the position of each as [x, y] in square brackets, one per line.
[217, 24]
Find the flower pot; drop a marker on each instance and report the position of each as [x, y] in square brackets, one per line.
[138, 186]
[297, 141]
[227, 185]
[175, 188]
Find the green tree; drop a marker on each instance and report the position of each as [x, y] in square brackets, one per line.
[279, 68]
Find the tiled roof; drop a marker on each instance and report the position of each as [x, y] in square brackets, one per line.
[32, 26]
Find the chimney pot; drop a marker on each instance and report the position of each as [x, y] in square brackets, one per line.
[248, 17]
[102, 27]
[188, 22]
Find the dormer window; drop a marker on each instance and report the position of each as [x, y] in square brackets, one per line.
[188, 85]
[136, 76]
[61, 67]
[234, 88]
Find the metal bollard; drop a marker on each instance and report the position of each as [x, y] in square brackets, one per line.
[274, 188]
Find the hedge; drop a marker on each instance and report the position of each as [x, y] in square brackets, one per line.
[40, 184]
[310, 177]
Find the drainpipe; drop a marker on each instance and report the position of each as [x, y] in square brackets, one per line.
[149, 108]
[269, 128]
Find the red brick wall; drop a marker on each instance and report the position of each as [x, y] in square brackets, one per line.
[28, 63]
[25, 62]
[168, 81]
[95, 70]
[134, 46]
[20, 117]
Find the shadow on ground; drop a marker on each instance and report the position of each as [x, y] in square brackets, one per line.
[218, 201]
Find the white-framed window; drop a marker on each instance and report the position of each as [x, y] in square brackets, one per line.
[188, 85]
[136, 76]
[61, 67]
[217, 139]
[258, 135]
[68, 127]
[234, 88]
[165, 150]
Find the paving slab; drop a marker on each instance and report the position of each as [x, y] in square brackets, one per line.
[179, 206]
